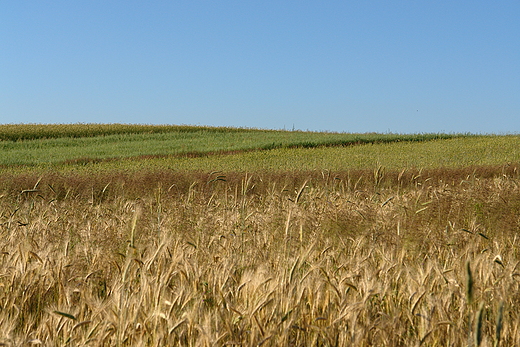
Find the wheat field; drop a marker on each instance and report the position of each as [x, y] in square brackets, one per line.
[365, 258]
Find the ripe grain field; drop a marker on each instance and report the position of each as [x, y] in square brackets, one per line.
[396, 250]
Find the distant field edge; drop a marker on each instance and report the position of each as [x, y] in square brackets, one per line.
[33, 131]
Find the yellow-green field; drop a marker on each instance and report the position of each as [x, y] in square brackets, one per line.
[447, 153]
[356, 240]
[56, 145]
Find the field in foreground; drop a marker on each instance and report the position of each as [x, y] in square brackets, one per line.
[121, 235]
[361, 258]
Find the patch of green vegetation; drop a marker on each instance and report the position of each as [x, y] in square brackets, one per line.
[150, 141]
[451, 153]
[459, 152]
[20, 132]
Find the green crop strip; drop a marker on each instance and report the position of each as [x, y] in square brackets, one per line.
[454, 153]
[19, 132]
[74, 143]
[450, 153]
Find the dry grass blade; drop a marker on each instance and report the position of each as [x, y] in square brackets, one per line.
[261, 305]
[300, 192]
[80, 324]
[417, 302]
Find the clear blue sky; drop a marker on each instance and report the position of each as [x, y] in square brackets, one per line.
[352, 66]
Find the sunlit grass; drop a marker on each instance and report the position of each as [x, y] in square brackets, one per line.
[325, 260]
[459, 152]
[266, 244]
[175, 143]
[441, 153]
